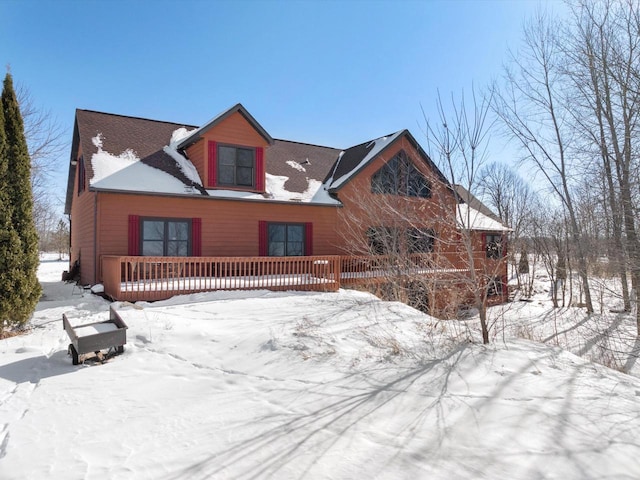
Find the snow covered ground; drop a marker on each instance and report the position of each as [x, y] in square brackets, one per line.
[309, 385]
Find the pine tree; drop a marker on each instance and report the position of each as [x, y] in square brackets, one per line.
[10, 248]
[26, 288]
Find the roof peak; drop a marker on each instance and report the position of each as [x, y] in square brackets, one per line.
[237, 108]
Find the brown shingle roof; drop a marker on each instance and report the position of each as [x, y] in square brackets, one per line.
[119, 133]
[300, 162]
[316, 161]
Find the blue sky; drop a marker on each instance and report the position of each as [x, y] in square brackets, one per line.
[324, 72]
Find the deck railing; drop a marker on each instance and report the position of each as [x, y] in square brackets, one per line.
[154, 278]
[135, 278]
[381, 268]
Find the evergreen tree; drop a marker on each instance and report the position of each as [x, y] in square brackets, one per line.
[26, 288]
[10, 248]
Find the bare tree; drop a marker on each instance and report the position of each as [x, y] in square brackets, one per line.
[46, 141]
[512, 200]
[458, 141]
[534, 109]
[603, 46]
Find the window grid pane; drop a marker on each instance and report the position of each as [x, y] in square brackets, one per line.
[165, 238]
[236, 166]
[285, 240]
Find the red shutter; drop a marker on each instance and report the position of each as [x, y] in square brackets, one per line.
[503, 240]
[260, 171]
[134, 235]
[212, 177]
[484, 244]
[308, 238]
[196, 237]
[263, 247]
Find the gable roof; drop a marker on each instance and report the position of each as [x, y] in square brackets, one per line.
[137, 154]
[354, 159]
[195, 136]
[472, 211]
[123, 153]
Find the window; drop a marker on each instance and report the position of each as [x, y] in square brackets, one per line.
[285, 239]
[236, 166]
[420, 240]
[166, 238]
[383, 240]
[495, 287]
[493, 245]
[394, 241]
[399, 176]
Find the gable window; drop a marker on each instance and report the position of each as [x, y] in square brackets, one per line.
[285, 239]
[165, 238]
[420, 240]
[399, 176]
[493, 245]
[236, 166]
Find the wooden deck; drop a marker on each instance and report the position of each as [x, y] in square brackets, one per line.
[134, 278]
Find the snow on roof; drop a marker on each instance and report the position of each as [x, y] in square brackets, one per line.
[315, 192]
[128, 178]
[124, 171]
[185, 165]
[477, 221]
[376, 146]
[105, 164]
[295, 165]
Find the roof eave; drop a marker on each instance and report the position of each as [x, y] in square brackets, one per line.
[72, 167]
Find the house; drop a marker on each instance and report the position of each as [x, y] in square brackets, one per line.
[141, 189]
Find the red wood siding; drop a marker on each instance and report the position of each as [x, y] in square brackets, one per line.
[82, 228]
[228, 228]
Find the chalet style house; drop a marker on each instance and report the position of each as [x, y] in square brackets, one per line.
[159, 208]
